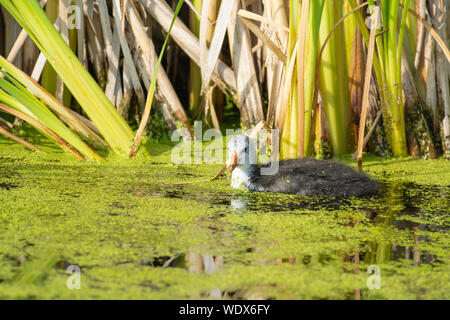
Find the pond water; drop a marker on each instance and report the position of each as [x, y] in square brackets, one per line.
[135, 232]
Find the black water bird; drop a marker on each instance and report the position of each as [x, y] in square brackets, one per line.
[308, 177]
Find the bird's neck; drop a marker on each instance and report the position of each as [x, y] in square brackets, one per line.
[242, 175]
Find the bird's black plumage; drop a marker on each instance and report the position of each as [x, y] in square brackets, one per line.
[311, 177]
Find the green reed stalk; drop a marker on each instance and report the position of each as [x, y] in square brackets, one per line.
[299, 112]
[86, 91]
[195, 83]
[390, 48]
[289, 139]
[48, 77]
[334, 80]
[17, 96]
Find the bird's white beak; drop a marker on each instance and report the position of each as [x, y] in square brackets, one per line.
[233, 161]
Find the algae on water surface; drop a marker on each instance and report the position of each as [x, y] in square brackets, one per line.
[135, 233]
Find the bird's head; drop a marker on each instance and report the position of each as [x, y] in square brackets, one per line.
[241, 151]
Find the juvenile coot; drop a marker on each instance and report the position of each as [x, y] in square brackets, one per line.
[309, 177]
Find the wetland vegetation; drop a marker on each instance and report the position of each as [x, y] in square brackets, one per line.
[92, 91]
[135, 234]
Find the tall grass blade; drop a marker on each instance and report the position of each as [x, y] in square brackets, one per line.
[86, 91]
[17, 97]
[64, 113]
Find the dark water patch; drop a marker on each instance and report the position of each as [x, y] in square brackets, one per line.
[83, 181]
[7, 186]
[63, 264]
[179, 192]
[10, 159]
[121, 206]
[176, 261]
[174, 194]
[271, 202]
[184, 174]
[107, 213]
[52, 160]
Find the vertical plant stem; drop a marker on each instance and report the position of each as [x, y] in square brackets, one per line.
[301, 77]
[49, 77]
[365, 106]
[195, 82]
[334, 79]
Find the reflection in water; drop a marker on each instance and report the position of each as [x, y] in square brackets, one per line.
[394, 207]
[197, 263]
[399, 206]
[239, 203]
[202, 263]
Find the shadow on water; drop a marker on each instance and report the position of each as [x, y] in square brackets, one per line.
[399, 206]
